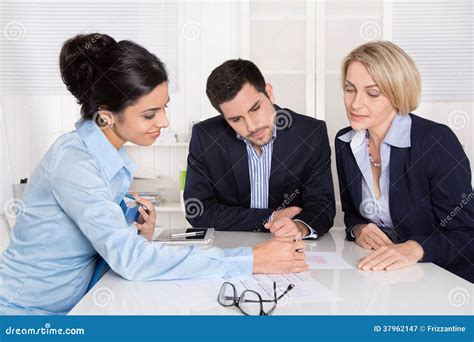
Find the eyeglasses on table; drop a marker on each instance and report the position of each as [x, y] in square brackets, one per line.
[250, 302]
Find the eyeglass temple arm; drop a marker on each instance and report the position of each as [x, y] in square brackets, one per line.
[288, 289]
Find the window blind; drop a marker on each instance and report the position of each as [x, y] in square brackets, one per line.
[438, 35]
[34, 31]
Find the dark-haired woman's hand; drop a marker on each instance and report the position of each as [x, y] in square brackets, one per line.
[147, 228]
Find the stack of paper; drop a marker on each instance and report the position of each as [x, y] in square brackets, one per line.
[306, 289]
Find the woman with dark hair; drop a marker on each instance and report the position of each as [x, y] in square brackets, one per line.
[72, 213]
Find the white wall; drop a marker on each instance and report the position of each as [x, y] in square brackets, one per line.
[210, 33]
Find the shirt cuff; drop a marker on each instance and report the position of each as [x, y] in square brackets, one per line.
[352, 230]
[238, 262]
[312, 233]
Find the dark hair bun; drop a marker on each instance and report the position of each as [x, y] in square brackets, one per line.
[80, 61]
[103, 73]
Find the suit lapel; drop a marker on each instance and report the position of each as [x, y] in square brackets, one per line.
[397, 167]
[281, 150]
[238, 157]
[354, 177]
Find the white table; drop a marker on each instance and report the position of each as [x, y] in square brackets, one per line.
[422, 289]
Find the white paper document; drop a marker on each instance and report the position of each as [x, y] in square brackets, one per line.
[306, 289]
[326, 260]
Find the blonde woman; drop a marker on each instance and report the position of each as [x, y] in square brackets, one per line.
[401, 176]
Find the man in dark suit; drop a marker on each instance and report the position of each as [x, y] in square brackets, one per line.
[257, 165]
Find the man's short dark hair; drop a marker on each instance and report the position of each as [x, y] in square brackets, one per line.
[227, 80]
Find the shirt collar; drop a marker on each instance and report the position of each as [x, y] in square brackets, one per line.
[398, 135]
[110, 159]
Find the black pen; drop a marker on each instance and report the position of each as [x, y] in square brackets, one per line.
[296, 239]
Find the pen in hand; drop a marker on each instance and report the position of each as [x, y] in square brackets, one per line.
[296, 239]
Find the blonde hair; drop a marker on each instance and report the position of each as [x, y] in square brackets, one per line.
[392, 70]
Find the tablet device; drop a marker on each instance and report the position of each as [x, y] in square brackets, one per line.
[184, 236]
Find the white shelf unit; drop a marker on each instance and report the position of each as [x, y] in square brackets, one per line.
[271, 27]
[172, 206]
[278, 17]
[169, 207]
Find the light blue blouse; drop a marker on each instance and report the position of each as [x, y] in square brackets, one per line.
[72, 214]
[377, 210]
